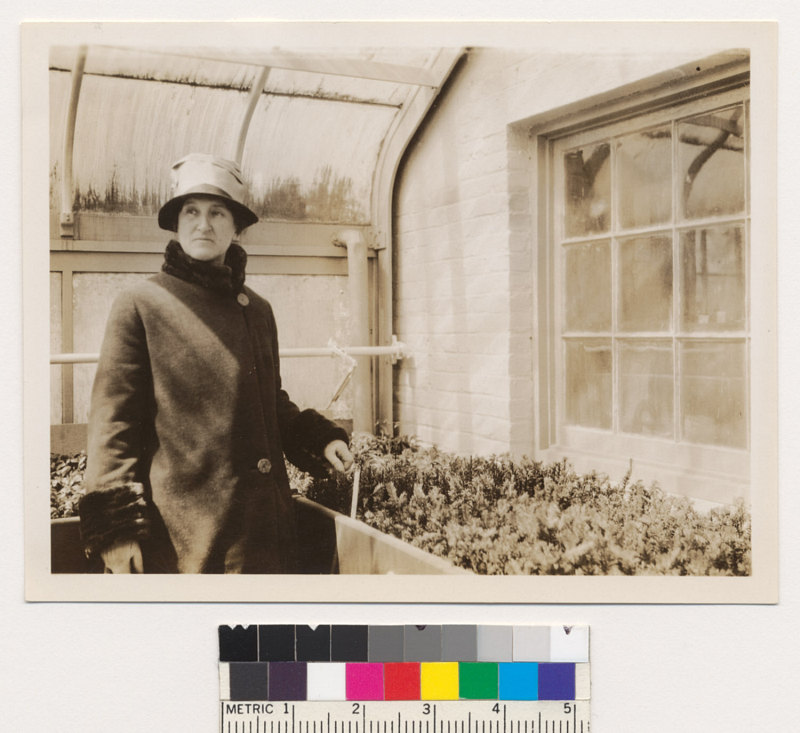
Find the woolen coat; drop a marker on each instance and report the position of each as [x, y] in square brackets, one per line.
[189, 424]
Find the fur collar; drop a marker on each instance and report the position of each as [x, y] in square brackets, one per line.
[226, 279]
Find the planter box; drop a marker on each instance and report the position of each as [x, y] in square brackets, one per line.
[331, 542]
[66, 549]
[349, 547]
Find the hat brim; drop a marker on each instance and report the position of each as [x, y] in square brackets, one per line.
[168, 213]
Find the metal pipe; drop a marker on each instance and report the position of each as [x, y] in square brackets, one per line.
[255, 95]
[397, 351]
[74, 358]
[358, 286]
[66, 219]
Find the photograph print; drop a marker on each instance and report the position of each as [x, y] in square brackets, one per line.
[484, 308]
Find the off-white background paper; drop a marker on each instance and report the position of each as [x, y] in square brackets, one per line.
[142, 667]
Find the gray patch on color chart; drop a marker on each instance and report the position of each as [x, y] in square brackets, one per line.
[385, 644]
[531, 643]
[460, 643]
[422, 643]
[495, 644]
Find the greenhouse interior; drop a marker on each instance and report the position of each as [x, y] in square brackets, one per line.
[538, 263]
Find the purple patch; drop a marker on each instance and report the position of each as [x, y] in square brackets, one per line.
[557, 681]
[287, 680]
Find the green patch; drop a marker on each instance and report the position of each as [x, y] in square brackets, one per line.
[477, 680]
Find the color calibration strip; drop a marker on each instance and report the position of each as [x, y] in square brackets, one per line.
[394, 663]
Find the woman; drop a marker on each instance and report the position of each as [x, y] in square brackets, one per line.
[188, 423]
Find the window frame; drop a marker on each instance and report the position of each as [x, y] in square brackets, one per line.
[677, 466]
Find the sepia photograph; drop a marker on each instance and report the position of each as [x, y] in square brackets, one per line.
[381, 305]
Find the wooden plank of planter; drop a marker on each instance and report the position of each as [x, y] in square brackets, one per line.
[328, 535]
[363, 550]
[316, 530]
[66, 548]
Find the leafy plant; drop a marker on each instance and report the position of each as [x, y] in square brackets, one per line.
[496, 515]
[66, 483]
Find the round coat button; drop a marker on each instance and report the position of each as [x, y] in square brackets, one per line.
[242, 299]
[265, 465]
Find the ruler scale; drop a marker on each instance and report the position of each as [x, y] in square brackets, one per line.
[543, 716]
[412, 679]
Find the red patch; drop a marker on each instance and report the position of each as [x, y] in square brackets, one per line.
[401, 680]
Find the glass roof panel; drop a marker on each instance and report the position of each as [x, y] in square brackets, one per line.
[312, 145]
[106, 61]
[313, 160]
[348, 87]
[326, 86]
[238, 69]
[128, 132]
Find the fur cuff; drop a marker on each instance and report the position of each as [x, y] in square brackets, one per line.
[308, 437]
[115, 514]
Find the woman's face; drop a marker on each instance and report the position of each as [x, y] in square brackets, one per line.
[206, 228]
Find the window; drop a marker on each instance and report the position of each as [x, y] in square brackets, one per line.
[650, 225]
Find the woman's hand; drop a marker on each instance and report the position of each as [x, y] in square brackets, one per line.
[123, 557]
[338, 455]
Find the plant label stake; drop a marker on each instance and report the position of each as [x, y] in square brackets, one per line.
[354, 501]
[350, 362]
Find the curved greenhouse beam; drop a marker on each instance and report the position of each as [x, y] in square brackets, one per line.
[397, 138]
[255, 95]
[356, 68]
[66, 220]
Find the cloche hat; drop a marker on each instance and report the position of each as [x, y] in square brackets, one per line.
[198, 173]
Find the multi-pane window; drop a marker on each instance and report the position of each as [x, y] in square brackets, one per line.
[651, 245]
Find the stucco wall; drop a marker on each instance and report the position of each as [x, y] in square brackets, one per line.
[464, 245]
[310, 310]
[310, 381]
[55, 347]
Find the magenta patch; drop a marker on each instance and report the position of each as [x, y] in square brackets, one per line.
[364, 681]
